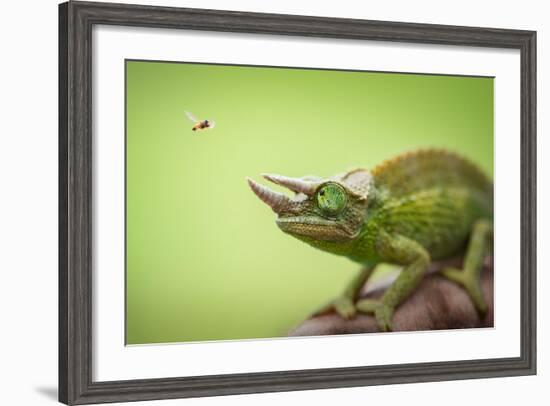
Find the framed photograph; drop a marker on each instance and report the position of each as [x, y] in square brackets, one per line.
[258, 202]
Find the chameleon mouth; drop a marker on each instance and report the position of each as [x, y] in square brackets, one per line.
[317, 228]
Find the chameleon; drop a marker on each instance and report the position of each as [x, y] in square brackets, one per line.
[416, 208]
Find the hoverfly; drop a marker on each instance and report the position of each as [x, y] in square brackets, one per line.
[199, 124]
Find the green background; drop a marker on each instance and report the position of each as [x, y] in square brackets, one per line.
[205, 260]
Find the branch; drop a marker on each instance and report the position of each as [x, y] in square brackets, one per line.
[437, 304]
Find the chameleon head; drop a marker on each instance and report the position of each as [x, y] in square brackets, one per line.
[329, 209]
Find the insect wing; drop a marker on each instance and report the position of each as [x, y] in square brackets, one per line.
[191, 117]
[211, 124]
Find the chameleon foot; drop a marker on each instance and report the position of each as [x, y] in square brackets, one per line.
[470, 277]
[471, 284]
[382, 312]
[343, 306]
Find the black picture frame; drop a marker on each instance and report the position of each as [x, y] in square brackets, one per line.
[76, 20]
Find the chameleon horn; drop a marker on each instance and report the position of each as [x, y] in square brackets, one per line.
[273, 199]
[294, 184]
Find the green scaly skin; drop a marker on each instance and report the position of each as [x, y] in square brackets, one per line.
[418, 207]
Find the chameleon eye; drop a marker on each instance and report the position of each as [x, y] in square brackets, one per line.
[331, 198]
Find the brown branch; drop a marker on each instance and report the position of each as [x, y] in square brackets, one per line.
[437, 304]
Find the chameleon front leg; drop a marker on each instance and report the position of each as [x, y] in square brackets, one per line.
[470, 276]
[403, 251]
[344, 305]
